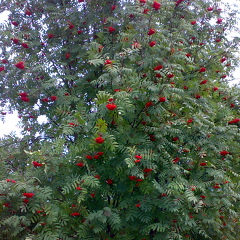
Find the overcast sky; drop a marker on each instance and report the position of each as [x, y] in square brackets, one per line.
[11, 120]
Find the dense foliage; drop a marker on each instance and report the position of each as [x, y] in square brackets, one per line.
[142, 138]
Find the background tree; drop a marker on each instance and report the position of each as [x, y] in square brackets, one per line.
[142, 137]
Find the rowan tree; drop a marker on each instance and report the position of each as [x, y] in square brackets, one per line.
[141, 139]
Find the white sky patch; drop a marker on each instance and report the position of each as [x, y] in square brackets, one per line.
[4, 16]
[42, 119]
[10, 125]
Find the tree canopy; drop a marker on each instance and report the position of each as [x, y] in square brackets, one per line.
[142, 138]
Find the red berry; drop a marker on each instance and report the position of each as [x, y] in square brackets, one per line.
[236, 120]
[203, 82]
[170, 75]
[25, 45]
[111, 29]
[99, 140]
[176, 160]
[92, 195]
[80, 164]
[202, 69]
[15, 40]
[159, 67]
[178, 2]
[27, 12]
[25, 99]
[20, 65]
[26, 200]
[151, 31]
[111, 106]
[132, 177]
[15, 23]
[36, 164]
[28, 195]
[158, 75]
[108, 61]
[223, 59]
[109, 181]
[23, 94]
[50, 35]
[162, 99]
[156, 5]
[219, 21]
[4, 61]
[149, 104]
[190, 120]
[53, 98]
[145, 11]
[45, 99]
[152, 43]
[75, 214]
[70, 25]
[224, 153]
[146, 170]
